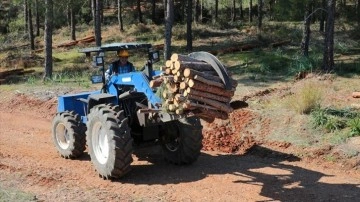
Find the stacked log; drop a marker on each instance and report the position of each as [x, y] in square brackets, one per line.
[191, 86]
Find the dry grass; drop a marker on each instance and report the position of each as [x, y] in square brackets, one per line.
[307, 97]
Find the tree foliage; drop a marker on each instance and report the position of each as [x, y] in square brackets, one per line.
[16, 19]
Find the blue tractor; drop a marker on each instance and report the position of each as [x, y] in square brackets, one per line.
[124, 114]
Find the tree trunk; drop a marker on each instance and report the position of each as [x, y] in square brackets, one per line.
[306, 32]
[241, 10]
[260, 13]
[209, 82]
[192, 105]
[323, 16]
[271, 3]
[153, 11]
[139, 12]
[192, 91]
[165, 6]
[233, 11]
[197, 11]
[31, 31]
[198, 66]
[216, 9]
[183, 4]
[313, 7]
[68, 17]
[169, 19]
[26, 16]
[93, 10]
[101, 10]
[37, 21]
[188, 26]
[97, 23]
[214, 103]
[72, 22]
[120, 20]
[328, 59]
[202, 8]
[190, 73]
[48, 39]
[250, 11]
[211, 89]
[358, 12]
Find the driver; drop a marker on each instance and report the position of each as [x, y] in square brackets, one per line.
[120, 66]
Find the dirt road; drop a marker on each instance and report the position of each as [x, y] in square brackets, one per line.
[29, 162]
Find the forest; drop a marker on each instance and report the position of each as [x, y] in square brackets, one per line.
[25, 23]
[292, 125]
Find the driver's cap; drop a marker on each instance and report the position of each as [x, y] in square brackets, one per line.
[123, 53]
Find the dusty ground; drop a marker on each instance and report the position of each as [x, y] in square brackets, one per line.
[231, 168]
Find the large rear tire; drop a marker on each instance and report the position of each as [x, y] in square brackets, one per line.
[109, 141]
[182, 140]
[68, 134]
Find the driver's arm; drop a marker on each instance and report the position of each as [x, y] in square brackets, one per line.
[108, 73]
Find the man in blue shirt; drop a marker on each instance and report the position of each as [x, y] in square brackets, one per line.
[120, 66]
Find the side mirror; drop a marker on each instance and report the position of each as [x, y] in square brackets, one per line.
[98, 60]
[96, 79]
[154, 56]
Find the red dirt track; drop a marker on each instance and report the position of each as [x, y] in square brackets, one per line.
[234, 165]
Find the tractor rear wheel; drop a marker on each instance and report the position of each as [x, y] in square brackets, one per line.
[68, 134]
[182, 140]
[109, 141]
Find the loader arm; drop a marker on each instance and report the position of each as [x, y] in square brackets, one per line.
[139, 81]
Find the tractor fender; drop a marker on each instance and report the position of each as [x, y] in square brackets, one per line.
[102, 98]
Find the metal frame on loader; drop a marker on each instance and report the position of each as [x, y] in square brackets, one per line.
[124, 114]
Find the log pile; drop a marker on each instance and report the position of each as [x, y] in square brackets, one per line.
[193, 86]
[68, 44]
[84, 40]
[5, 75]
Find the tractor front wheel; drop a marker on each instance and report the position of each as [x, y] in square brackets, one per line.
[109, 141]
[68, 134]
[182, 140]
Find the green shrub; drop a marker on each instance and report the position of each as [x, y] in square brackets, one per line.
[349, 113]
[354, 125]
[16, 25]
[342, 47]
[334, 124]
[318, 117]
[32, 79]
[2, 39]
[332, 119]
[301, 64]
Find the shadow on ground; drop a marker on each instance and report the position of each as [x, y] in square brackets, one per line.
[259, 166]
